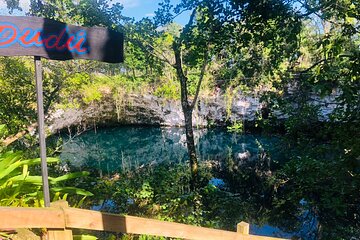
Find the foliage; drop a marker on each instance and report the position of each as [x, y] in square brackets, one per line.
[3, 132]
[162, 192]
[331, 167]
[140, 62]
[152, 193]
[88, 88]
[19, 188]
[236, 127]
[168, 90]
[17, 105]
[322, 163]
[84, 237]
[84, 12]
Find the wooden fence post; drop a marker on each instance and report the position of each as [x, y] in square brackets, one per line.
[60, 234]
[243, 228]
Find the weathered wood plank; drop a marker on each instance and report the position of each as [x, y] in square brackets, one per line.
[60, 219]
[85, 219]
[31, 218]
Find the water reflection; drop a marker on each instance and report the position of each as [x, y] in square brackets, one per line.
[110, 150]
[244, 193]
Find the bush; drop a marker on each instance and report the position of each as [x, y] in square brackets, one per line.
[19, 188]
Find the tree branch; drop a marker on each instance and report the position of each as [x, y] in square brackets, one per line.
[9, 140]
[202, 74]
[178, 63]
[325, 60]
[187, 26]
[314, 10]
[51, 98]
[159, 55]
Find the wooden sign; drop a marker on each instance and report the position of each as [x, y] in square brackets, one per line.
[33, 36]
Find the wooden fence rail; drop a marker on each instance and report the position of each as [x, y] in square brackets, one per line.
[60, 219]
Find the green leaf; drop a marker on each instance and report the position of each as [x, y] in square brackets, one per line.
[36, 180]
[72, 190]
[10, 165]
[70, 176]
[84, 237]
[8, 158]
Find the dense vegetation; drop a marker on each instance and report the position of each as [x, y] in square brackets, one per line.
[291, 53]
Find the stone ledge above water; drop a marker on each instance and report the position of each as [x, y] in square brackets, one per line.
[151, 110]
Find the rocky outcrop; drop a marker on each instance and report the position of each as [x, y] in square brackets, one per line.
[151, 110]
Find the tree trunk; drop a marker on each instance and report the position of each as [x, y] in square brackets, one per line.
[190, 143]
[187, 110]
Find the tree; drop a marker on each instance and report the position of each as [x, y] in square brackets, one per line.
[215, 27]
[138, 59]
[325, 151]
[17, 104]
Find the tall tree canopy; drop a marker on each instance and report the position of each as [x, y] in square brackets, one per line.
[263, 33]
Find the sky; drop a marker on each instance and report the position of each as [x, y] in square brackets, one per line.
[146, 8]
[137, 9]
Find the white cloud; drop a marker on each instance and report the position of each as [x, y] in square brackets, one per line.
[129, 3]
[25, 5]
[150, 15]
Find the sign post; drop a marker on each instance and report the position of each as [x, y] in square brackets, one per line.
[41, 37]
[41, 129]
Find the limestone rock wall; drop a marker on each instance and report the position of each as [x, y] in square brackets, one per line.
[151, 110]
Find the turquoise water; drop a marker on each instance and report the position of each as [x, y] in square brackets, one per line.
[106, 151]
[112, 149]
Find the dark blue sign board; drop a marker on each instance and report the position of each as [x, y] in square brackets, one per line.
[33, 36]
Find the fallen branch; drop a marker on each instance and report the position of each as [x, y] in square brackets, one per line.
[9, 140]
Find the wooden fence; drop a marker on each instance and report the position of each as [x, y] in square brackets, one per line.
[60, 219]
